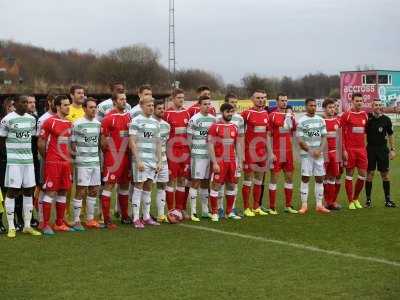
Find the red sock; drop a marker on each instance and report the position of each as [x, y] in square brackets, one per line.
[349, 189]
[358, 188]
[186, 196]
[330, 194]
[179, 199]
[272, 196]
[288, 194]
[46, 207]
[256, 196]
[105, 206]
[123, 205]
[60, 211]
[337, 190]
[325, 191]
[214, 205]
[246, 196]
[170, 199]
[230, 199]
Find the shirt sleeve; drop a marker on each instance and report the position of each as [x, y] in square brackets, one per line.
[74, 133]
[105, 127]
[212, 132]
[45, 130]
[190, 127]
[299, 130]
[133, 128]
[4, 127]
[323, 128]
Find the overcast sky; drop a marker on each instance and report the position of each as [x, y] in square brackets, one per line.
[230, 38]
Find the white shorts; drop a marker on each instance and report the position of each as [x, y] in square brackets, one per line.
[312, 167]
[163, 175]
[148, 173]
[200, 168]
[88, 176]
[18, 176]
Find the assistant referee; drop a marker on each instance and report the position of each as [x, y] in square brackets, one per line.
[379, 132]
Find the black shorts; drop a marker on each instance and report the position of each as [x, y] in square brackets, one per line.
[378, 158]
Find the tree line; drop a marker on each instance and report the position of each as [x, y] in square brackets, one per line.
[41, 70]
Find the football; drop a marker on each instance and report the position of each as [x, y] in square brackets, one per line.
[174, 216]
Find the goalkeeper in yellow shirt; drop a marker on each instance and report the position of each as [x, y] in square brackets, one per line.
[76, 112]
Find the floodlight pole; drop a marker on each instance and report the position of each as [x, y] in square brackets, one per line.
[171, 47]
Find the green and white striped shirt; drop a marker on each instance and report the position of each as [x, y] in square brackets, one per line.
[136, 111]
[311, 130]
[86, 135]
[105, 107]
[146, 130]
[237, 119]
[18, 131]
[165, 128]
[198, 129]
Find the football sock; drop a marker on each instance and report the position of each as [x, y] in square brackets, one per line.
[170, 194]
[304, 192]
[221, 197]
[214, 201]
[160, 202]
[27, 206]
[204, 197]
[319, 193]
[179, 197]
[61, 205]
[77, 205]
[193, 200]
[91, 204]
[146, 202]
[257, 193]
[10, 206]
[230, 199]
[368, 189]
[123, 198]
[272, 195]
[288, 194]
[246, 193]
[349, 188]
[105, 206]
[46, 206]
[136, 197]
[359, 186]
[386, 189]
[337, 190]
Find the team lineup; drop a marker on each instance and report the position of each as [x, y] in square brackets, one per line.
[81, 155]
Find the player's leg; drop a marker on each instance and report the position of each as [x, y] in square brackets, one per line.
[319, 194]
[93, 192]
[215, 187]
[61, 205]
[136, 202]
[196, 170]
[246, 189]
[362, 176]
[368, 187]
[47, 202]
[306, 172]
[123, 200]
[9, 204]
[2, 228]
[272, 189]
[230, 180]
[27, 208]
[349, 186]
[162, 180]
[289, 192]
[81, 193]
[28, 185]
[383, 168]
[257, 191]
[146, 199]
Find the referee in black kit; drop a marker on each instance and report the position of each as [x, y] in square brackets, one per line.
[379, 132]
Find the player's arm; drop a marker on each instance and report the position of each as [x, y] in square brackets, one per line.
[43, 136]
[3, 133]
[190, 131]
[300, 138]
[324, 141]
[104, 134]
[390, 134]
[158, 151]
[74, 139]
[133, 141]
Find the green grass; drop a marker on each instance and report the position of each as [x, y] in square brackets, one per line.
[176, 262]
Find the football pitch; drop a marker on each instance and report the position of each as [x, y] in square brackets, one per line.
[343, 255]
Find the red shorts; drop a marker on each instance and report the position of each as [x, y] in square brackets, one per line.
[333, 168]
[357, 158]
[254, 161]
[179, 164]
[283, 162]
[57, 176]
[119, 173]
[227, 173]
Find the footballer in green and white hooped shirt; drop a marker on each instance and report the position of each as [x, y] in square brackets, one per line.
[85, 143]
[145, 145]
[311, 134]
[16, 129]
[200, 158]
[162, 177]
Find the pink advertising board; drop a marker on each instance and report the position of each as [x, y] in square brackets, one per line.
[352, 82]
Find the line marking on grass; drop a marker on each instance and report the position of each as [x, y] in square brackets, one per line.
[295, 245]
